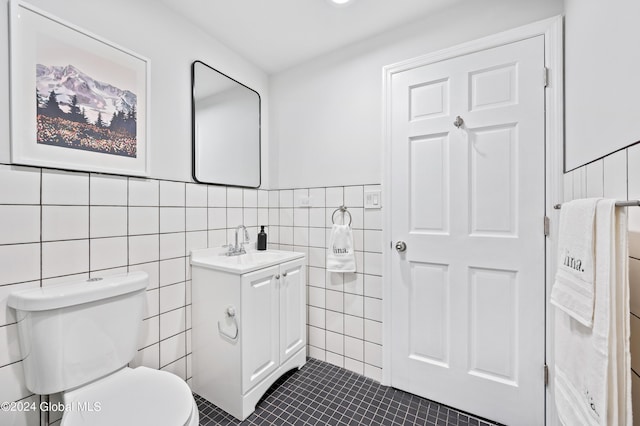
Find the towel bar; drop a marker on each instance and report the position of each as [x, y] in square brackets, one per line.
[628, 203]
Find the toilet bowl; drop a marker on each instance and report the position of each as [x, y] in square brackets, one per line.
[136, 396]
[77, 338]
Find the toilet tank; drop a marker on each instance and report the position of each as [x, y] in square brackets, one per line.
[76, 332]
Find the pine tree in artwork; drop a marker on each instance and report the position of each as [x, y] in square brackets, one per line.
[75, 114]
[99, 122]
[51, 107]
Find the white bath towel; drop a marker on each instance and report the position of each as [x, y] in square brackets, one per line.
[340, 254]
[573, 289]
[592, 364]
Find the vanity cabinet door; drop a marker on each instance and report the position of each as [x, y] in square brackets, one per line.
[293, 292]
[259, 329]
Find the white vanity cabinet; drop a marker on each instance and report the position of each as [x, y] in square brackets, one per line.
[249, 326]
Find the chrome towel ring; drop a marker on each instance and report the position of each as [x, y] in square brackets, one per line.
[343, 210]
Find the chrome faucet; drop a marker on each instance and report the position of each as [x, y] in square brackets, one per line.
[238, 247]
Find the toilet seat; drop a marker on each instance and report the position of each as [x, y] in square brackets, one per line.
[140, 396]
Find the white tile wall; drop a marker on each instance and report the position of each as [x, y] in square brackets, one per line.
[617, 176]
[58, 226]
[95, 225]
[344, 310]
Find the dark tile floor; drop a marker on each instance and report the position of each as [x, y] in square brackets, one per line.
[323, 394]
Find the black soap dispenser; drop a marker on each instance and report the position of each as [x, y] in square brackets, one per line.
[262, 239]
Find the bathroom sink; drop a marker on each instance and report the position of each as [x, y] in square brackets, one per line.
[216, 258]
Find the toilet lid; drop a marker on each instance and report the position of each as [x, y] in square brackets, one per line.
[140, 396]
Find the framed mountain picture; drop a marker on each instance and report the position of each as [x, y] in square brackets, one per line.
[78, 102]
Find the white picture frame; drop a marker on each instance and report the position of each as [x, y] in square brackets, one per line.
[97, 119]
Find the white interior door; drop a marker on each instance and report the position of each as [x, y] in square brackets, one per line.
[468, 294]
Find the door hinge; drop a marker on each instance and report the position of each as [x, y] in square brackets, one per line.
[546, 375]
[545, 76]
[547, 225]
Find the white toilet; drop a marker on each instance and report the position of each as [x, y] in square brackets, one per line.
[78, 337]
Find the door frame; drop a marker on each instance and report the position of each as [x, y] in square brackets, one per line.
[552, 30]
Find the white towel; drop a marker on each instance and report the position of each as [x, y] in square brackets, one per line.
[340, 255]
[573, 289]
[593, 364]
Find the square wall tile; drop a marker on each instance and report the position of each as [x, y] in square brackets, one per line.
[65, 222]
[172, 245]
[250, 198]
[217, 196]
[144, 220]
[335, 343]
[108, 221]
[335, 321]
[65, 188]
[107, 190]
[144, 192]
[172, 297]
[373, 331]
[354, 365]
[172, 194]
[172, 219]
[317, 197]
[263, 198]
[20, 185]
[274, 199]
[335, 197]
[196, 219]
[234, 197]
[354, 348]
[373, 354]
[286, 198]
[301, 217]
[196, 195]
[19, 224]
[317, 337]
[144, 248]
[354, 196]
[217, 218]
[65, 258]
[354, 326]
[172, 271]
[108, 253]
[196, 240]
[172, 323]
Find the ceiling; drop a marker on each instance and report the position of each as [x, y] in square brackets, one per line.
[278, 34]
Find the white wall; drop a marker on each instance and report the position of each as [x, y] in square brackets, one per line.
[171, 44]
[602, 87]
[326, 127]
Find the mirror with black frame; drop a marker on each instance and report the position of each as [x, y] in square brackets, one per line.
[225, 129]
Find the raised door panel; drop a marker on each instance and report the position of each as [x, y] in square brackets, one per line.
[292, 308]
[259, 332]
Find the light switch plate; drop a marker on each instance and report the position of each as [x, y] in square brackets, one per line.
[373, 199]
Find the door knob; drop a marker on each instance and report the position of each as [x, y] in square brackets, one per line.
[401, 246]
[459, 122]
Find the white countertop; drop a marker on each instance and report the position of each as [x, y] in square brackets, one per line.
[216, 258]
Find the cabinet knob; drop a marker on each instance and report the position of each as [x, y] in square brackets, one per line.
[277, 276]
[284, 274]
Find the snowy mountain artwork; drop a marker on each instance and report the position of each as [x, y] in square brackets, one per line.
[77, 111]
